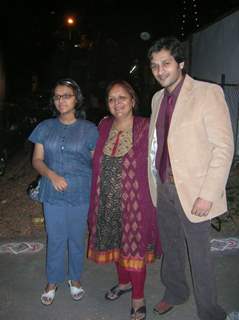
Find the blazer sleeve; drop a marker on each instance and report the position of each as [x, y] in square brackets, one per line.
[220, 136]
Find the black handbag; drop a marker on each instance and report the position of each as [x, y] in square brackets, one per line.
[33, 189]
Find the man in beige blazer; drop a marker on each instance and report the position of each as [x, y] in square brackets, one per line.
[187, 175]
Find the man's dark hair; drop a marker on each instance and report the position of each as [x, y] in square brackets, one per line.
[171, 44]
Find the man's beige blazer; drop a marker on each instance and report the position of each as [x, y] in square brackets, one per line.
[200, 144]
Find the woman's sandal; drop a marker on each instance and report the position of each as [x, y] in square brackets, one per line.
[76, 293]
[115, 292]
[139, 314]
[48, 297]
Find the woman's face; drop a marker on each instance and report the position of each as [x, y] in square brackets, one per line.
[64, 100]
[120, 102]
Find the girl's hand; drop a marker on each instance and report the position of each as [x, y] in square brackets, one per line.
[59, 183]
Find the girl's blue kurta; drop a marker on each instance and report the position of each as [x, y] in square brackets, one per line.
[67, 151]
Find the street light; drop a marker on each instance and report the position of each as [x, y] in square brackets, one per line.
[70, 22]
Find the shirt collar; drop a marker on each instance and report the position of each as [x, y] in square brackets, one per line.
[176, 90]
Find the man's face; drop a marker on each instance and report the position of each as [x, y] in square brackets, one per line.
[166, 70]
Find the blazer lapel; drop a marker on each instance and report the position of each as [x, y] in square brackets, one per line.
[155, 112]
[182, 104]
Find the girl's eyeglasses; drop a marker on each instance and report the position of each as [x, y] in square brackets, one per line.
[64, 97]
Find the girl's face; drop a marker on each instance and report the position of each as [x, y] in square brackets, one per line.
[64, 100]
[120, 102]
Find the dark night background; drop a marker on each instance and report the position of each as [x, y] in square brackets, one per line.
[36, 45]
[39, 47]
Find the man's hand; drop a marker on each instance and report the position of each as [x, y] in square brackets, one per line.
[201, 207]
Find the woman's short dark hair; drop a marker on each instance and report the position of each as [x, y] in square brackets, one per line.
[77, 92]
[127, 86]
[171, 44]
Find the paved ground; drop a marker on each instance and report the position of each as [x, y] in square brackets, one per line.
[22, 279]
